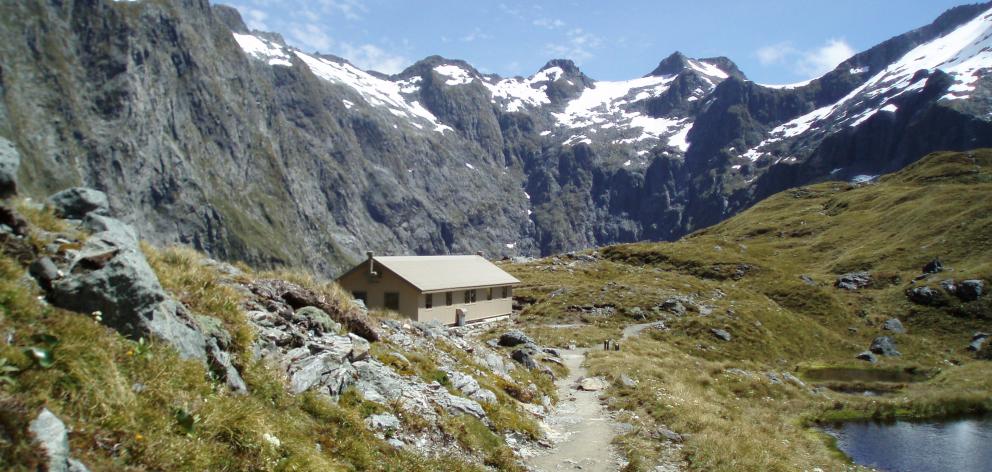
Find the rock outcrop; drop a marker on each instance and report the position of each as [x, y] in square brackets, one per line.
[110, 275]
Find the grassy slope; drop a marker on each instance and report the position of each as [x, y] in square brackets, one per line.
[940, 206]
[122, 400]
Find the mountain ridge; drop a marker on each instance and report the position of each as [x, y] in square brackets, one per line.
[209, 134]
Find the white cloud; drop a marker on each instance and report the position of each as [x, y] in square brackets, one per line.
[578, 45]
[349, 9]
[514, 12]
[476, 34]
[775, 53]
[548, 23]
[823, 59]
[310, 37]
[808, 63]
[372, 57]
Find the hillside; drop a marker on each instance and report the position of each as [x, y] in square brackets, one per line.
[118, 355]
[785, 353]
[206, 133]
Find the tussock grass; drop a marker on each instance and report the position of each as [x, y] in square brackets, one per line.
[181, 272]
[747, 271]
[122, 400]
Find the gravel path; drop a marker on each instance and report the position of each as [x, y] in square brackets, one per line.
[579, 428]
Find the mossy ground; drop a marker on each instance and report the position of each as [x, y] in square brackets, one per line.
[748, 271]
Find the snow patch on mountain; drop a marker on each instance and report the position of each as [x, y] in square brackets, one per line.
[964, 54]
[263, 49]
[791, 86]
[605, 100]
[375, 91]
[519, 93]
[456, 75]
[680, 138]
[706, 68]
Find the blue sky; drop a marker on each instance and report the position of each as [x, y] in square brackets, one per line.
[772, 41]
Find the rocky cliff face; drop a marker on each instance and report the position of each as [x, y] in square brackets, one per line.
[206, 133]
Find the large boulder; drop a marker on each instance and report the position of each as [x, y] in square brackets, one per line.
[885, 346]
[10, 161]
[76, 203]
[933, 266]
[721, 334]
[977, 341]
[925, 296]
[970, 290]
[853, 280]
[470, 387]
[383, 422]
[592, 384]
[894, 325]
[112, 276]
[514, 338]
[45, 272]
[523, 356]
[51, 434]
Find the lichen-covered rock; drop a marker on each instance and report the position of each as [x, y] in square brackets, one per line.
[317, 319]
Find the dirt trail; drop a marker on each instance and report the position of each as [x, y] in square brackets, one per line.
[580, 429]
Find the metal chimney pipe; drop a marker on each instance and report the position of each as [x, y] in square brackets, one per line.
[371, 255]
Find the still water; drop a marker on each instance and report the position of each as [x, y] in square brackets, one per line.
[962, 445]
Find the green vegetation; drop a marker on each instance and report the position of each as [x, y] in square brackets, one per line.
[138, 406]
[766, 276]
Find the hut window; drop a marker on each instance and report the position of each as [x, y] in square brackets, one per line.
[364, 297]
[506, 292]
[447, 298]
[470, 296]
[429, 300]
[489, 295]
[392, 300]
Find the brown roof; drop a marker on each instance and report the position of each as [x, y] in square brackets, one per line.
[433, 273]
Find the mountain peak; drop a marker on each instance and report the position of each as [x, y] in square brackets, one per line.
[677, 62]
[566, 65]
[671, 65]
